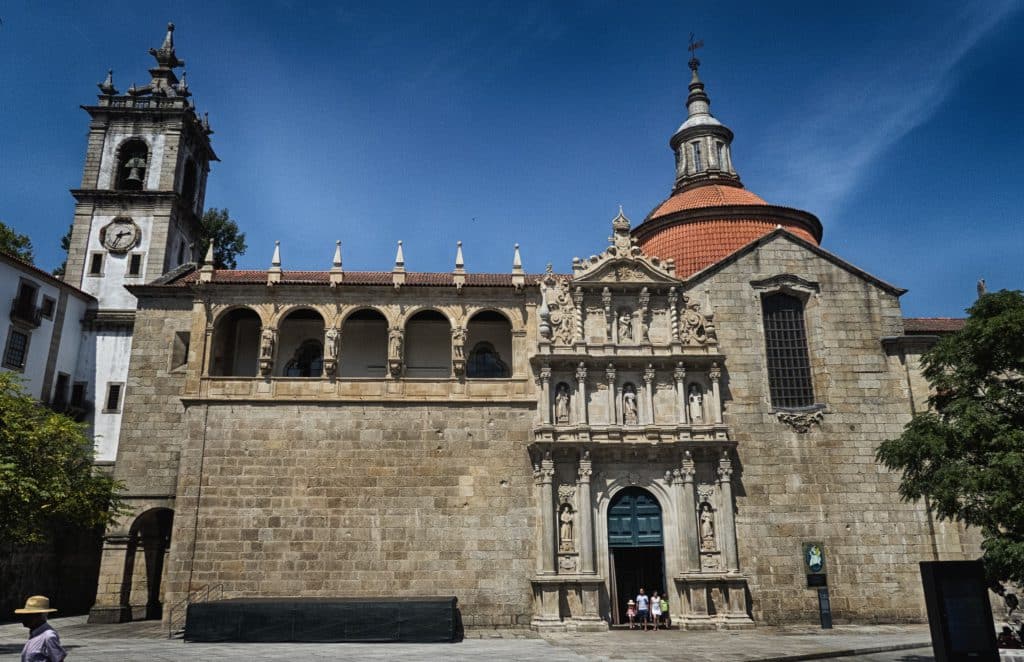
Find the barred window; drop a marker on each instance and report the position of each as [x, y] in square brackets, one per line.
[789, 368]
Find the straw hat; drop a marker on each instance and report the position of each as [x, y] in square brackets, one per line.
[630, 603]
[37, 604]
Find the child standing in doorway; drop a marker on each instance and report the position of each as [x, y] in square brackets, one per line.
[631, 613]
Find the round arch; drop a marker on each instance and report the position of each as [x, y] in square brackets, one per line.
[300, 342]
[428, 344]
[488, 348]
[364, 343]
[149, 539]
[235, 343]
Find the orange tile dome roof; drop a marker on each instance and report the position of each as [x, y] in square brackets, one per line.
[702, 225]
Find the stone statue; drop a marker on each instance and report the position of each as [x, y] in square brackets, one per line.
[395, 342]
[707, 528]
[629, 411]
[562, 404]
[331, 344]
[565, 530]
[459, 341]
[625, 326]
[267, 339]
[694, 330]
[696, 399]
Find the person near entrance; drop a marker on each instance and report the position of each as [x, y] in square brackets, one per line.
[43, 643]
[655, 610]
[631, 613]
[664, 612]
[643, 604]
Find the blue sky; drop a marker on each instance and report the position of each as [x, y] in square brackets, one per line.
[898, 124]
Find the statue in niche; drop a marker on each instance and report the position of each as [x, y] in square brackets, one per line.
[707, 528]
[694, 325]
[625, 326]
[458, 341]
[395, 342]
[562, 403]
[696, 400]
[331, 344]
[565, 529]
[629, 410]
[267, 339]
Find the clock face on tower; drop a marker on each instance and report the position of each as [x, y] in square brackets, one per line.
[120, 235]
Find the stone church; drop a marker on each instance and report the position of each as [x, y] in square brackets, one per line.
[687, 410]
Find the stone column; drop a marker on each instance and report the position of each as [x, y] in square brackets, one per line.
[728, 533]
[687, 498]
[673, 313]
[581, 394]
[680, 376]
[543, 475]
[545, 390]
[613, 416]
[609, 321]
[716, 394]
[586, 519]
[577, 301]
[648, 413]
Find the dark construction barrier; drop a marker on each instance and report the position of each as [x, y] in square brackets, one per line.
[325, 620]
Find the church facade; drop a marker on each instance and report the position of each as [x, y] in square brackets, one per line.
[689, 410]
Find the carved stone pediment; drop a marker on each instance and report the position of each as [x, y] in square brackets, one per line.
[623, 262]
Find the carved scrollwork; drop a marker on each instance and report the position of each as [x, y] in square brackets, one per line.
[801, 421]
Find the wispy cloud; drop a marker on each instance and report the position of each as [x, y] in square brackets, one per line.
[860, 112]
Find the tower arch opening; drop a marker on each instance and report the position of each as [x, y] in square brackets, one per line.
[132, 165]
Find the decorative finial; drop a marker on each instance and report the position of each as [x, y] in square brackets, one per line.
[206, 124]
[399, 257]
[460, 264]
[165, 55]
[182, 87]
[107, 86]
[517, 260]
[694, 62]
[982, 289]
[276, 260]
[208, 260]
[337, 255]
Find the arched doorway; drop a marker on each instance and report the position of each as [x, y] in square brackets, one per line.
[636, 548]
[148, 542]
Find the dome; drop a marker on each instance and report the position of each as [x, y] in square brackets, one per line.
[702, 225]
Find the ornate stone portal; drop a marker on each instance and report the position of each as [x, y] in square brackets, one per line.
[630, 375]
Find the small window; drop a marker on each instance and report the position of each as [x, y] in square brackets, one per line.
[181, 253]
[721, 155]
[96, 264]
[49, 305]
[179, 349]
[78, 395]
[113, 403]
[60, 391]
[698, 163]
[24, 307]
[135, 264]
[17, 350]
[789, 366]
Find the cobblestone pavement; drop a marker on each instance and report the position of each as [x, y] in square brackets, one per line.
[134, 641]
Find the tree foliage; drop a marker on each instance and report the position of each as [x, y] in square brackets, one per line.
[228, 242]
[65, 244]
[46, 470]
[966, 455]
[18, 245]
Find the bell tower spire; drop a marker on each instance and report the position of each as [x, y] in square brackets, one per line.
[702, 144]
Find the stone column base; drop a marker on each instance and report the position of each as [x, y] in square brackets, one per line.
[712, 601]
[580, 593]
[116, 614]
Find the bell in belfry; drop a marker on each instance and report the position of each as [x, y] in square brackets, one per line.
[135, 166]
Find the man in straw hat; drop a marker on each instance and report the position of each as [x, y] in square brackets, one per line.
[43, 643]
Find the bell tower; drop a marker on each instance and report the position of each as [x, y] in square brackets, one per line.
[137, 217]
[143, 185]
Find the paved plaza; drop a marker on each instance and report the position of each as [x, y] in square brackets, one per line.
[135, 641]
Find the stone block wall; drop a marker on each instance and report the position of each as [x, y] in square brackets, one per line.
[823, 485]
[349, 499]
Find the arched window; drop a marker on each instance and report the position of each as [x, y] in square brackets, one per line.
[484, 362]
[789, 366]
[300, 344]
[364, 345]
[236, 344]
[489, 342]
[132, 166]
[428, 345]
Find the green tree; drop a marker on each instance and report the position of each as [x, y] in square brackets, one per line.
[228, 242]
[65, 244]
[46, 470]
[966, 454]
[18, 245]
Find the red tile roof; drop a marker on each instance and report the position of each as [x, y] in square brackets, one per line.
[696, 245]
[709, 195]
[49, 278]
[932, 325]
[412, 278]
